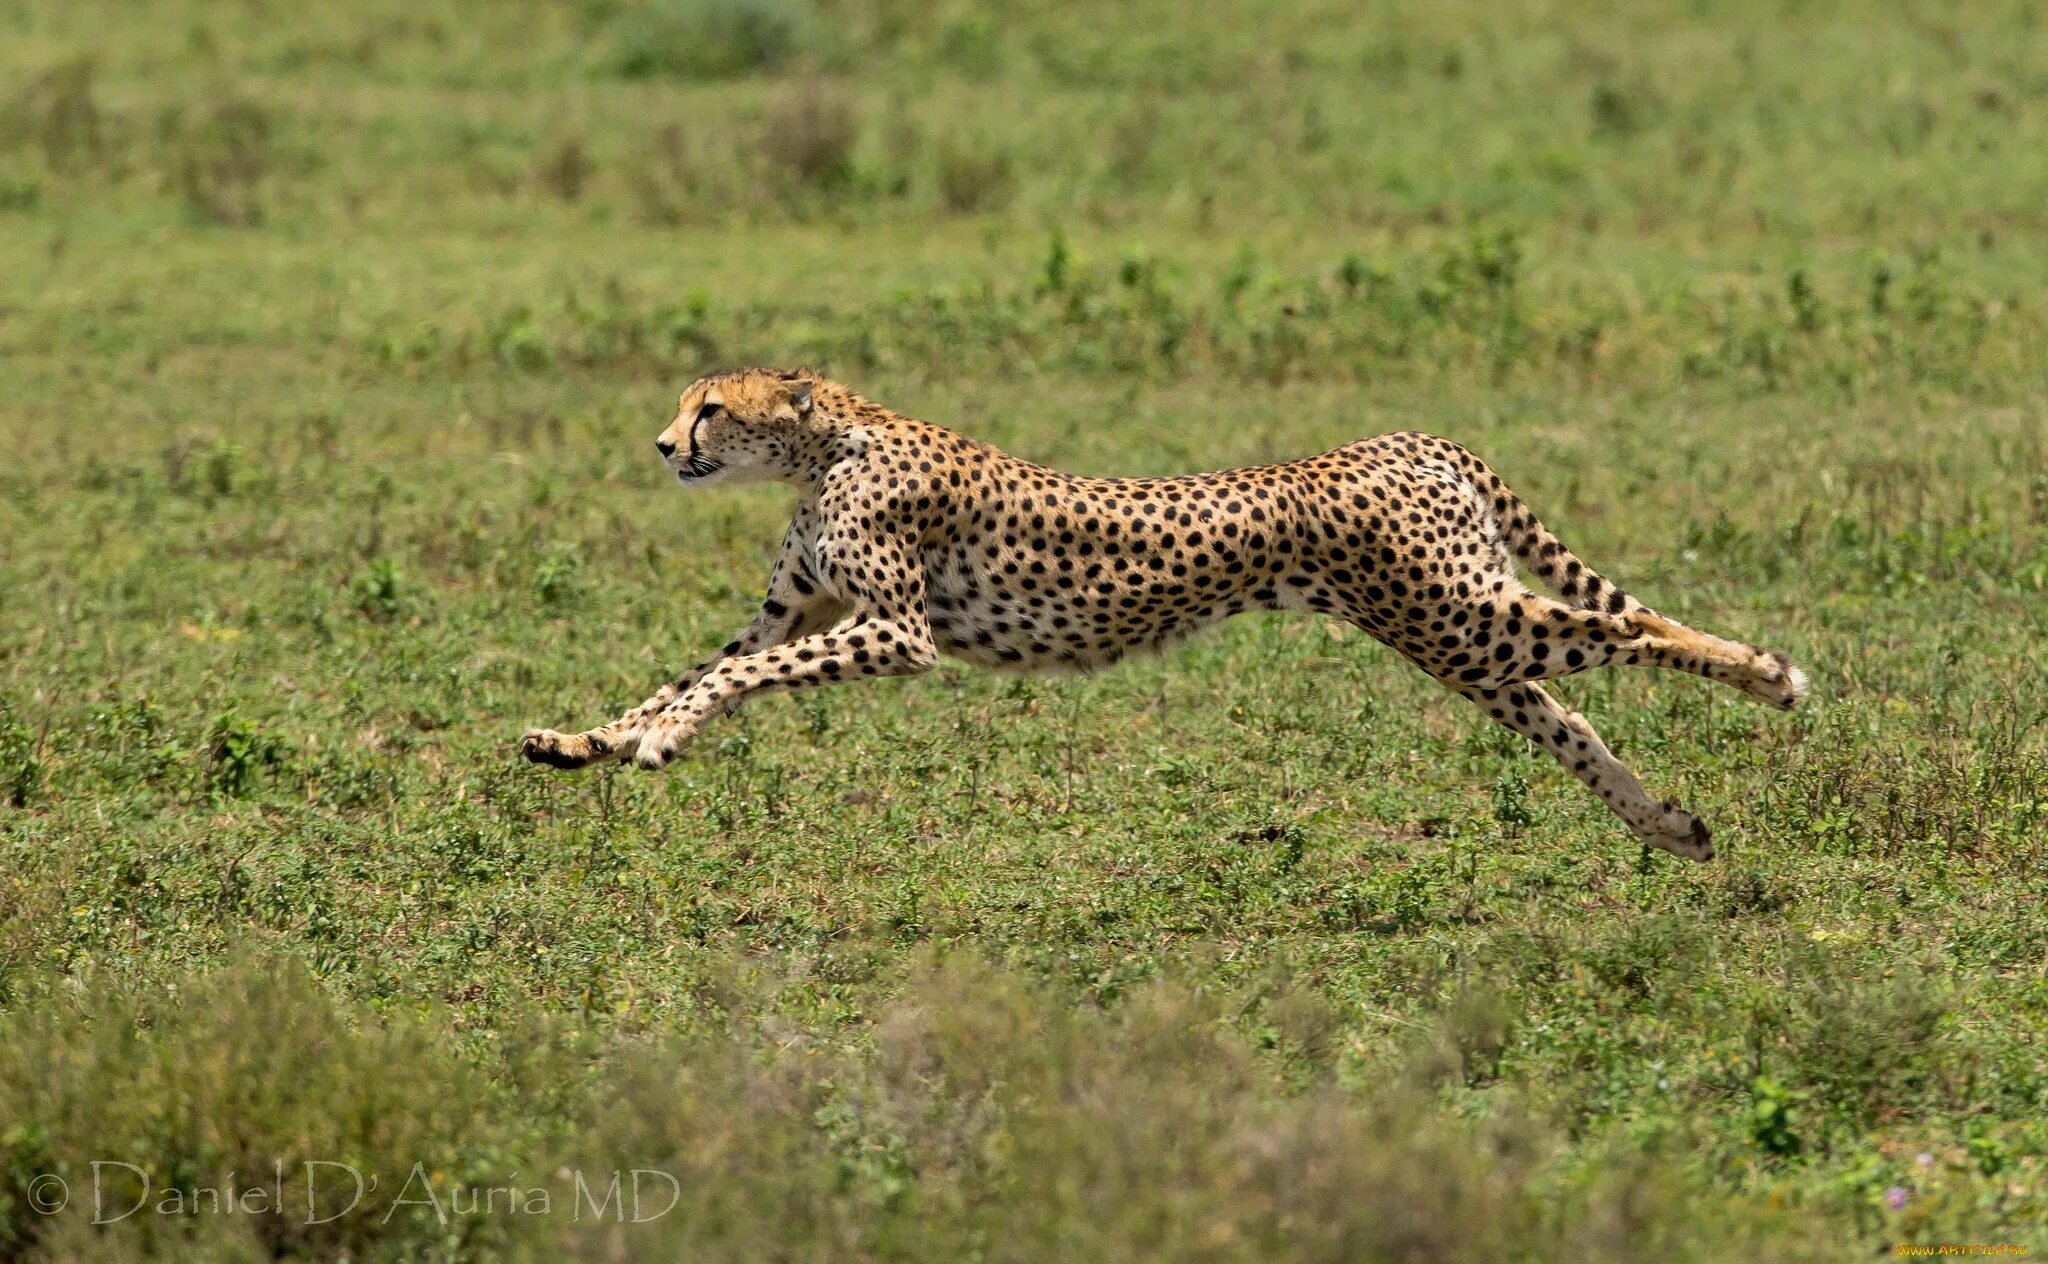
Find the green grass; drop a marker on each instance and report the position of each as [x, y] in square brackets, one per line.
[331, 349]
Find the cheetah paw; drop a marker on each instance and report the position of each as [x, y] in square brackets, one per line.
[1680, 833]
[1795, 681]
[560, 750]
[1780, 682]
[658, 747]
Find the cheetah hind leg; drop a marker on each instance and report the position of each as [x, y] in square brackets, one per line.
[1570, 740]
[617, 741]
[1571, 640]
[1769, 676]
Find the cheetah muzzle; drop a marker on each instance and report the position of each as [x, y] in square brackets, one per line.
[910, 542]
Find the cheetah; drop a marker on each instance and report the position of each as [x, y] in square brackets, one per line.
[910, 541]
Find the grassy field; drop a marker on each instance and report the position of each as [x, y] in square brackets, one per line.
[332, 346]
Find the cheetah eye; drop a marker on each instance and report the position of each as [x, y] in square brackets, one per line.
[705, 413]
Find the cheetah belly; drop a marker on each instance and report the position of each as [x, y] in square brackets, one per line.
[972, 622]
[1035, 623]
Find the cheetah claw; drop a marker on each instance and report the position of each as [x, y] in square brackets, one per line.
[1682, 834]
[653, 753]
[545, 746]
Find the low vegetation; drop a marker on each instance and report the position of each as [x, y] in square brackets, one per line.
[332, 346]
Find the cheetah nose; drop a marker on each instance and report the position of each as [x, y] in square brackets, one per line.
[665, 447]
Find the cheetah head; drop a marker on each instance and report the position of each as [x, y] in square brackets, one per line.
[743, 427]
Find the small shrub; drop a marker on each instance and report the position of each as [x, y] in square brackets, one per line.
[131, 742]
[1472, 1036]
[558, 578]
[684, 171]
[57, 115]
[344, 779]
[566, 170]
[219, 157]
[1130, 142]
[21, 765]
[1775, 1117]
[515, 339]
[810, 131]
[974, 176]
[1751, 894]
[1388, 902]
[238, 752]
[220, 469]
[249, 1072]
[1621, 110]
[1648, 956]
[1059, 262]
[462, 851]
[1862, 1041]
[973, 45]
[379, 590]
[1511, 809]
[205, 471]
[708, 39]
[20, 193]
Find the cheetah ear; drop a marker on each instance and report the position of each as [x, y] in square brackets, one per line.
[800, 397]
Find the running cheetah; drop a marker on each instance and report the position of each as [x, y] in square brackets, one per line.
[910, 541]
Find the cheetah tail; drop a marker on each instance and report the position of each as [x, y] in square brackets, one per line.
[1541, 552]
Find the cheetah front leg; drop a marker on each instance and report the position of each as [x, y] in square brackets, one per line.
[775, 625]
[793, 608]
[883, 644]
[1533, 713]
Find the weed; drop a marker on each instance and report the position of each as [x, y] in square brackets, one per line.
[380, 591]
[21, 765]
[558, 578]
[1775, 1118]
[239, 752]
[1511, 809]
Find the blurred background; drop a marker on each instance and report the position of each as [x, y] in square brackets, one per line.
[333, 339]
[656, 186]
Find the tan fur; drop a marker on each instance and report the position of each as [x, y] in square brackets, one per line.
[909, 542]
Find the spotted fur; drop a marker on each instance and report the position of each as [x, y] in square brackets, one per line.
[910, 542]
